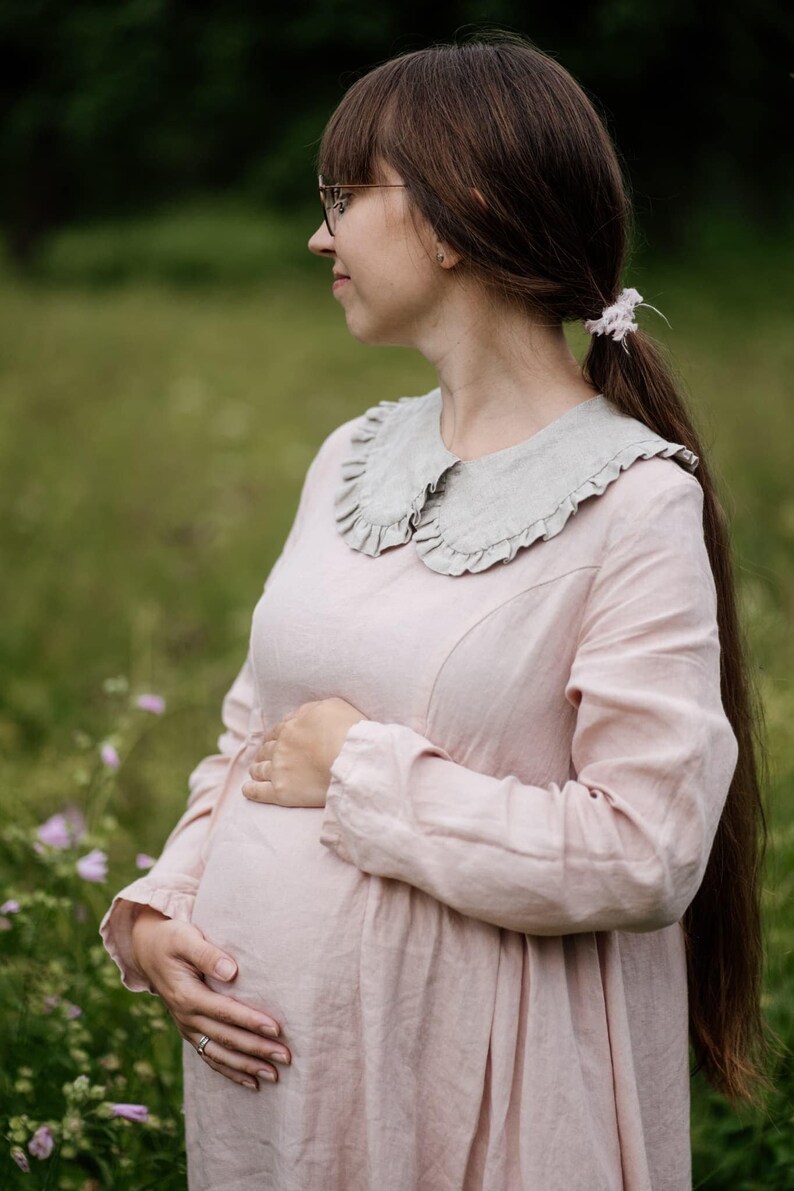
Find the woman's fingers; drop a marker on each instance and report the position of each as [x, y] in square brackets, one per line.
[243, 1066]
[265, 751]
[185, 992]
[240, 1046]
[247, 1046]
[197, 999]
[204, 955]
[175, 956]
[246, 1081]
[260, 771]
[241, 1038]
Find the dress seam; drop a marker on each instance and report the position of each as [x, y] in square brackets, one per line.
[517, 595]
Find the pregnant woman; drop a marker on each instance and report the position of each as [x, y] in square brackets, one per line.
[479, 848]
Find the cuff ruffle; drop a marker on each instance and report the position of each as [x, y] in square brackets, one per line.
[341, 770]
[115, 929]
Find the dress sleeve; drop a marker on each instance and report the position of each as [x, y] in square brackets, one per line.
[624, 846]
[170, 886]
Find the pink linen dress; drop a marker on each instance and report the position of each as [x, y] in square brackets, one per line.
[474, 950]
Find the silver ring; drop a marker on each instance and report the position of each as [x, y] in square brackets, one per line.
[202, 1044]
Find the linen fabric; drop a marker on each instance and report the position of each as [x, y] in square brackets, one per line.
[475, 948]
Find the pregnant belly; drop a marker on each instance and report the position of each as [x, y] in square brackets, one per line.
[287, 909]
[385, 997]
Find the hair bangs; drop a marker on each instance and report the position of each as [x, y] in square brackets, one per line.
[360, 138]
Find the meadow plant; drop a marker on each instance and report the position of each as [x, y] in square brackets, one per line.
[90, 1077]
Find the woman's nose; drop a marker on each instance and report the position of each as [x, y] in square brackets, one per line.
[321, 242]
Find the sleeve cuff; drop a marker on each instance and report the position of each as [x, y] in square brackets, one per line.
[367, 790]
[115, 929]
[342, 768]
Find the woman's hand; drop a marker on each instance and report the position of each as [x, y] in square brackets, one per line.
[174, 956]
[292, 767]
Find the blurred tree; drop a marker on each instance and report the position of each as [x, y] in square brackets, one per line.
[110, 108]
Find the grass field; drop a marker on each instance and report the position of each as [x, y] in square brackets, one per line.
[153, 440]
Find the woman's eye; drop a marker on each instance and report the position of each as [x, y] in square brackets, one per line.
[341, 202]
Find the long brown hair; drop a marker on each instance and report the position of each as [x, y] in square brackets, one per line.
[496, 113]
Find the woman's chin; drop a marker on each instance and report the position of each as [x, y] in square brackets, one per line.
[375, 336]
[363, 334]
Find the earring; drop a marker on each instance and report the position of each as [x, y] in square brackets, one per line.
[439, 256]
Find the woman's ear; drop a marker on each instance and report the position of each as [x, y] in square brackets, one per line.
[450, 256]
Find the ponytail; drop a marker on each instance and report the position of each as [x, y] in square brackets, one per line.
[722, 925]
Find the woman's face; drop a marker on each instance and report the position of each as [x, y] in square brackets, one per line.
[396, 284]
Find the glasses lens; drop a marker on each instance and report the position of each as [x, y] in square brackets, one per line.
[329, 195]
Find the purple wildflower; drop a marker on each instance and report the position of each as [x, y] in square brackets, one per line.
[93, 866]
[73, 1010]
[131, 1112]
[20, 1159]
[10, 907]
[141, 861]
[109, 756]
[55, 832]
[42, 1142]
[153, 703]
[62, 830]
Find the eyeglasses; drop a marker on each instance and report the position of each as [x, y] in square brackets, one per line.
[331, 197]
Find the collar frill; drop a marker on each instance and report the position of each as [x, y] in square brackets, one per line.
[400, 481]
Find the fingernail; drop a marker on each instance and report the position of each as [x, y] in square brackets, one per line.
[279, 1058]
[249, 1083]
[225, 969]
[269, 1031]
[271, 1075]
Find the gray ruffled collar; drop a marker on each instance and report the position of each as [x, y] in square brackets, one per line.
[400, 481]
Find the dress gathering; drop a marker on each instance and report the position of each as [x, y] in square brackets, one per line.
[474, 950]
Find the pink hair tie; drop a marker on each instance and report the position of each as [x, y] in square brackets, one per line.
[617, 320]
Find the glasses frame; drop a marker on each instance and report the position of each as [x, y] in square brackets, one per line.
[346, 186]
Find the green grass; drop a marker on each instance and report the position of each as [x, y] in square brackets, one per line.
[153, 439]
[188, 246]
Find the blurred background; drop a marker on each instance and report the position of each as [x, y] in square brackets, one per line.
[171, 358]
